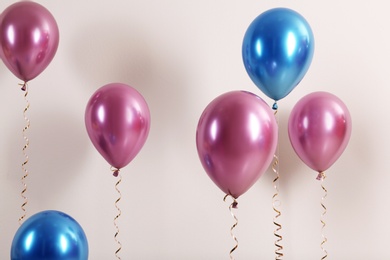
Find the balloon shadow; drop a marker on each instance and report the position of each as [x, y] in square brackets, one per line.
[152, 66]
[133, 57]
[360, 156]
[56, 152]
[122, 55]
[288, 161]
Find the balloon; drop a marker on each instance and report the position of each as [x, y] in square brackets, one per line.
[236, 139]
[49, 235]
[117, 119]
[319, 129]
[28, 39]
[277, 50]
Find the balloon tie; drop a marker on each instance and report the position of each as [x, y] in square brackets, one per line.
[23, 86]
[116, 173]
[321, 176]
[276, 201]
[275, 107]
[231, 207]
[26, 145]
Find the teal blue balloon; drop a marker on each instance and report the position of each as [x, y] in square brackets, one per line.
[277, 51]
[50, 235]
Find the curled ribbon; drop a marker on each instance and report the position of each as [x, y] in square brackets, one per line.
[232, 206]
[275, 200]
[321, 177]
[116, 173]
[26, 145]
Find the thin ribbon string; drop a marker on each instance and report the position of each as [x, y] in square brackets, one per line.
[231, 207]
[275, 200]
[321, 177]
[26, 145]
[116, 173]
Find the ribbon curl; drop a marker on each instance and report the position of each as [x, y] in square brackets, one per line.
[275, 200]
[26, 145]
[116, 173]
[321, 177]
[232, 206]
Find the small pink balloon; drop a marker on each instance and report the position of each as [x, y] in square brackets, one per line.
[319, 129]
[236, 139]
[29, 39]
[117, 119]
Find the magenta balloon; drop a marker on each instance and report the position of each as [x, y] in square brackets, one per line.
[319, 129]
[117, 119]
[29, 39]
[236, 139]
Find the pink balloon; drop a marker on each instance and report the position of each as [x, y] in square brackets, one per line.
[319, 129]
[236, 139]
[29, 39]
[117, 119]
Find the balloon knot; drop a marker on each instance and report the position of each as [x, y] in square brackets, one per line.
[235, 205]
[275, 106]
[115, 173]
[24, 86]
[321, 176]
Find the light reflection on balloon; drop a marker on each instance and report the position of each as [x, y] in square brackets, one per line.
[319, 129]
[117, 119]
[50, 235]
[236, 138]
[29, 38]
[277, 51]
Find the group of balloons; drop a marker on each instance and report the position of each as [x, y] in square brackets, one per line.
[29, 38]
[237, 132]
[117, 120]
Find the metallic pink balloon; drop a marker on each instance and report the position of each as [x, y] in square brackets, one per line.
[319, 129]
[117, 119]
[29, 39]
[236, 139]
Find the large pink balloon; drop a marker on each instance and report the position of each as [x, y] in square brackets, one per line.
[319, 129]
[117, 119]
[29, 39]
[236, 139]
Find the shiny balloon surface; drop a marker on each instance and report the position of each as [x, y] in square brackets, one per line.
[236, 139]
[277, 51]
[50, 235]
[117, 119]
[29, 38]
[319, 129]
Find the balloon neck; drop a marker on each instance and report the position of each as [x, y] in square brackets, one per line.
[321, 176]
[234, 204]
[275, 106]
[24, 86]
[115, 171]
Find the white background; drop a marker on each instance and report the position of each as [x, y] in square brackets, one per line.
[181, 55]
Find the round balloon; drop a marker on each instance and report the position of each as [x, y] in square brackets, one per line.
[277, 51]
[50, 235]
[319, 128]
[236, 139]
[29, 39]
[117, 119]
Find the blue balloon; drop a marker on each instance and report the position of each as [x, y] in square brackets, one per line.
[50, 235]
[277, 50]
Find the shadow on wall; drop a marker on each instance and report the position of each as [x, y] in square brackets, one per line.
[129, 55]
[110, 52]
[56, 152]
[351, 189]
[289, 162]
[114, 52]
